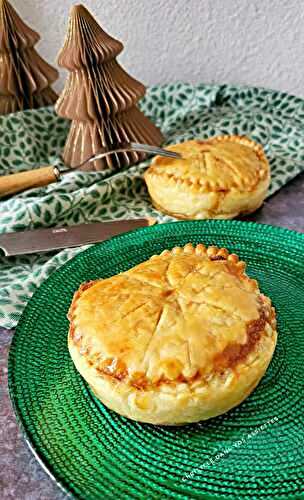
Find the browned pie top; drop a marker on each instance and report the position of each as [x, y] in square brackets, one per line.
[219, 164]
[178, 317]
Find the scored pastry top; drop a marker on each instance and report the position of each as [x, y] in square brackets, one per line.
[182, 316]
[218, 164]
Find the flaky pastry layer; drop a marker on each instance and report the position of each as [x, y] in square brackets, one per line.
[179, 338]
[218, 178]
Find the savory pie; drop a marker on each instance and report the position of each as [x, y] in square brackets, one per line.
[182, 337]
[219, 178]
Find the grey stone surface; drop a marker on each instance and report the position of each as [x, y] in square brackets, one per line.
[21, 476]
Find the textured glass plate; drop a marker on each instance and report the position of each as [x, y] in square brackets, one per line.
[254, 451]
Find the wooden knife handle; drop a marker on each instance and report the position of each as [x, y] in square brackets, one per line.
[14, 183]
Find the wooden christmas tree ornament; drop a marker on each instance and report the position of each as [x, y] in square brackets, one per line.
[99, 96]
[25, 78]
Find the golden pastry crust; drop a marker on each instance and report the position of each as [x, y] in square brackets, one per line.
[218, 178]
[182, 337]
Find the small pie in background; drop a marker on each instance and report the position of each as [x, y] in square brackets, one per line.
[219, 178]
[181, 337]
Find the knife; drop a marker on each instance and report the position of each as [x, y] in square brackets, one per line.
[44, 240]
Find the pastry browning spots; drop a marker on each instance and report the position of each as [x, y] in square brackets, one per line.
[231, 355]
[187, 319]
[218, 178]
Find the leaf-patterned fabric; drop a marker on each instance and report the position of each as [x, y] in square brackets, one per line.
[34, 138]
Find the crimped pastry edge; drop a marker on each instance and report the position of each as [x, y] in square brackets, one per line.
[203, 186]
[213, 253]
[183, 403]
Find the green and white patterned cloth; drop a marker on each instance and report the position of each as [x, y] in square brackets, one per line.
[33, 138]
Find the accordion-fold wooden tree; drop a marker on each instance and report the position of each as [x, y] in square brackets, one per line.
[25, 78]
[99, 96]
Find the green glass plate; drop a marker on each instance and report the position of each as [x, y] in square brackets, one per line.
[254, 451]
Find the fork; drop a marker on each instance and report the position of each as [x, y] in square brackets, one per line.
[124, 147]
[15, 183]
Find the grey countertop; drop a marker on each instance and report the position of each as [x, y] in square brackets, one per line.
[21, 476]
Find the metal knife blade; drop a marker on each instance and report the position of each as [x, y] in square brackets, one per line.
[44, 240]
